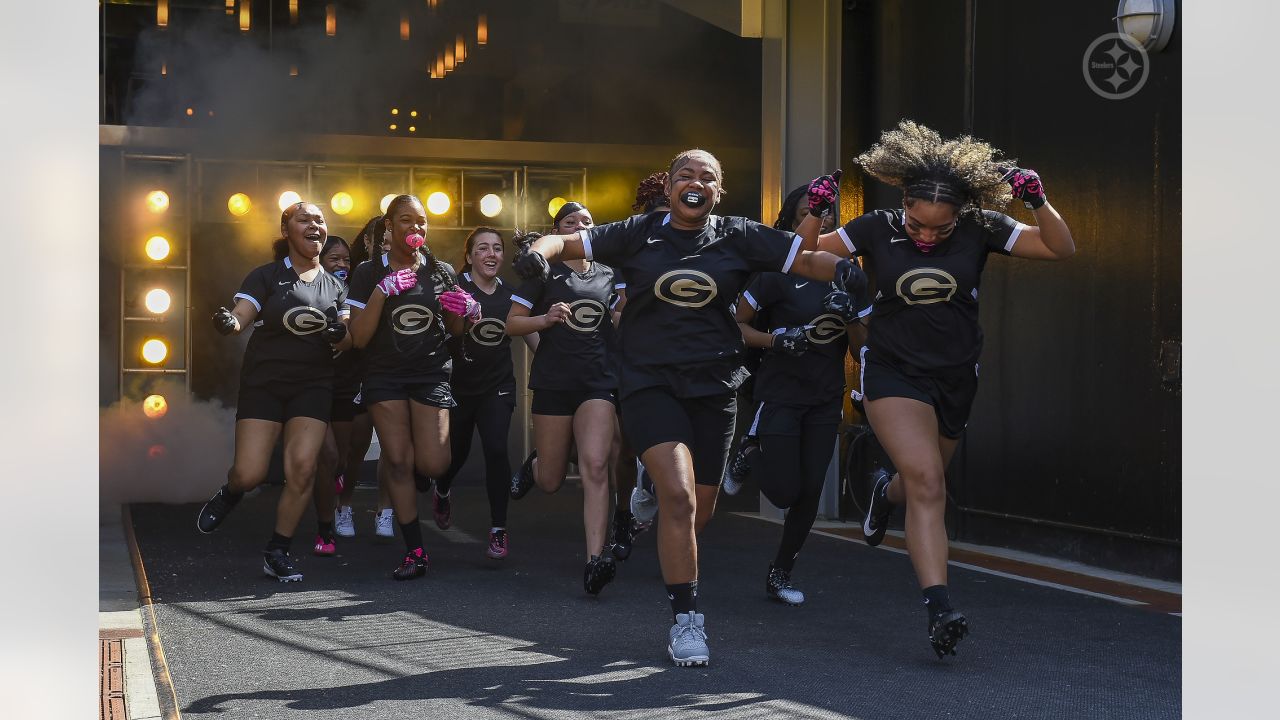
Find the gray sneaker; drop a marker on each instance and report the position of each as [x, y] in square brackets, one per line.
[688, 646]
[644, 504]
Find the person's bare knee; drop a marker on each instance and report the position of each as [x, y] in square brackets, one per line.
[925, 487]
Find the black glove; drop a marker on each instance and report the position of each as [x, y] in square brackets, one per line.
[841, 303]
[530, 264]
[334, 330]
[1026, 186]
[851, 279]
[224, 322]
[791, 341]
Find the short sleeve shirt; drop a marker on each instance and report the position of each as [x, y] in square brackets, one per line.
[578, 353]
[286, 346]
[409, 343]
[926, 304]
[486, 363]
[678, 328]
[817, 376]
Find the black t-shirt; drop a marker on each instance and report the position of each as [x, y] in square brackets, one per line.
[817, 376]
[678, 328]
[576, 354]
[410, 340]
[286, 346]
[347, 372]
[926, 304]
[486, 342]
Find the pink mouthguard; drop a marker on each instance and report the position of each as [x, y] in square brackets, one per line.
[415, 241]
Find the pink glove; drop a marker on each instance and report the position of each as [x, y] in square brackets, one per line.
[824, 193]
[459, 302]
[398, 281]
[415, 241]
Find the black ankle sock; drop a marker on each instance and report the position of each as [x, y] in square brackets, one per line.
[231, 497]
[325, 529]
[784, 561]
[936, 600]
[279, 542]
[683, 597]
[412, 533]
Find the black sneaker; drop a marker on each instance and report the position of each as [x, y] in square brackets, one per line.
[279, 564]
[217, 509]
[622, 536]
[598, 573]
[879, 509]
[522, 481]
[735, 473]
[413, 566]
[946, 630]
[778, 585]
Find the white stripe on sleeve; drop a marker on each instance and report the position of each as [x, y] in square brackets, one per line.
[355, 304]
[847, 242]
[1013, 237]
[251, 299]
[751, 301]
[517, 299]
[791, 256]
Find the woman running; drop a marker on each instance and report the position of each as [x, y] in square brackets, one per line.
[919, 366]
[335, 258]
[286, 381]
[682, 351]
[798, 393]
[484, 385]
[575, 386]
[401, 305]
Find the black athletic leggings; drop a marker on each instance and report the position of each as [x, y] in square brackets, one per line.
[491, 415]
[790, 470]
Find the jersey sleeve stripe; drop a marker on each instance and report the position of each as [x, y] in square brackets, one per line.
[791, 256]
[355, 304]
[847, 242]
[517, 299]
[866, 311]
[1013, 237]
[344, 312]
[251, 299]
[586, 244]
[751, 301]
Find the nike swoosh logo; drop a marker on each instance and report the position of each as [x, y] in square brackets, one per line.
[500, 393]
[894, 240]
[801, 284]
[558, 277]
[287, 282]
[653, 240]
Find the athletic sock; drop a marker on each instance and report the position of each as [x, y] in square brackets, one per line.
[785, 561]
[279, 542]
[936, 600]
[683, 597]
[231, 497]
[412, 533]
[325, 530]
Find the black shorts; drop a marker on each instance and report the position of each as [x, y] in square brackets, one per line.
[279, 403]
[381, 388]
[654, 415]
[950, 392]
[566, 402]
[773, 418]
[345, 409]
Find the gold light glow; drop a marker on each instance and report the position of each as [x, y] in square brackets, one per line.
[155, 351]
[449, 64]
[157, 301]
[342, 202]
[439, 71]
[164, 68]
[162, 13]
[293, 71]
[287, 198]
[459, 50]
[386, 202]
[431, 4]
[157, 247]
[413, 129]
[392, 126]
[554, 206]
[438, 203]
[157, 201]
[482, 30]
[293, 12]
[155, 406]
[413, 113]
[404, 26]
[231, 7]
[239, 204]
[490, 205]
[395, 111]
[330, 20]
[245, 8]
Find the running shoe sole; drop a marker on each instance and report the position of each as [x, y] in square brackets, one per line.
[693, 661]
[947, 632]
[880, 506]
[295, 577]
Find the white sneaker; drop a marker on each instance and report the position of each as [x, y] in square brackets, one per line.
[343, 523]
[384, 525]
[644, 504]
[688, 641]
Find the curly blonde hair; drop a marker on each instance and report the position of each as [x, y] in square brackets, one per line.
[964, 171]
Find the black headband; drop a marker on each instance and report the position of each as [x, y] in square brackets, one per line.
[566, 210]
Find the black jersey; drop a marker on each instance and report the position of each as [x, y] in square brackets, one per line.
[575, 354]
[286, 346]
[410, 340]
[926, 304]
[817, 376]
[487, 344]
[678, 328]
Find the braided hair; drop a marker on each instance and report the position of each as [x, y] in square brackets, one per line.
[787, 215]
[652, 193]
[964, 171]
[366, 240]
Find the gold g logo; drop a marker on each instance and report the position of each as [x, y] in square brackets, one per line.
[488, 331]
[411, 319]
[304, 320]
[584, 315]
[925, 286]
[686, 288]
[826, 328]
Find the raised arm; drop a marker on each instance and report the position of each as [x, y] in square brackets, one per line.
[1049, 238]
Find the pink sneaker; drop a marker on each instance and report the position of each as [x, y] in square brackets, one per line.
[324, 547]
[497, 544]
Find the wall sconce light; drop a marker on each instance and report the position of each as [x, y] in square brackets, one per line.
[1149, 23]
